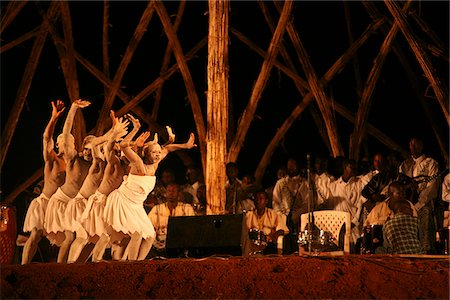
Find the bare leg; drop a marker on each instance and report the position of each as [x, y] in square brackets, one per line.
[146, 245]
[100, 247]
[77, 245]
[132, 250]
[29, 250]
[118, 250]
[65, 246]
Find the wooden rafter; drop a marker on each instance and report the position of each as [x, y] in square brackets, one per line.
[129, 52]
[356, 69]
[186, 74]
[23, 38]
[439, 89]
[369, 87]
[217, 107]
[25, 84]
[301, 89]
[10, 13]
[23, 186]
[427, 29]
[259, 86]
[316, 89]
[105, 40]
[335, 69]
[166, 60]
[413, 79]
[68, 67]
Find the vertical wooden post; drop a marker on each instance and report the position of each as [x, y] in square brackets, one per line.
[217, 106]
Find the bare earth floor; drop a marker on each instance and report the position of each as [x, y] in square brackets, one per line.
[294, 277]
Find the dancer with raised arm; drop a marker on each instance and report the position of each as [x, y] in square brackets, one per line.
[54, 175]
[76, 207]
[77, 167]
[124, 211]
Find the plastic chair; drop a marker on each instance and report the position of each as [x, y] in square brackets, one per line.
[331, 221]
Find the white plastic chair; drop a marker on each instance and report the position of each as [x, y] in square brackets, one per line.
[331, 221]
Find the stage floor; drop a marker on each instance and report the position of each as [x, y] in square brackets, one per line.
[275, 277]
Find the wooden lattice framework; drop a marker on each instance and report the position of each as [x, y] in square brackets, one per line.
[212, 135]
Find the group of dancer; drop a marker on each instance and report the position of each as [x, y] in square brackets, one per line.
[96, 195]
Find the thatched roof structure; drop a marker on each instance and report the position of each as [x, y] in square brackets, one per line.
[346, 78]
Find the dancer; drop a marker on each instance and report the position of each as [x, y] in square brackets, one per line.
[124, 211]
[77, 167]
[54, 175]
[76, 206]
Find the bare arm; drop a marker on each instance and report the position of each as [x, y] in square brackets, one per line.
[69, 146]
[174, 147]
[119, 130]
[48, 144]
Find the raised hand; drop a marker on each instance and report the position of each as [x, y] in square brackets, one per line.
[112, 116]
[171, 138]
[81, 103]
[191, 142]
[140, 141]
[120, 127]
[133, 120]
[57, 108]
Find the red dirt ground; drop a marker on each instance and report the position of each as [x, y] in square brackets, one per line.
[353, 276]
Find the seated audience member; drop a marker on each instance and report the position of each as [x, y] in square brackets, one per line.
[158, 195]
[401, 233]
[267, 221]
[232, 186]
[200, 207]
[194, 179]
[281, 172]
[246, 194]
[159, 215]
[321, 178]
[383, 210]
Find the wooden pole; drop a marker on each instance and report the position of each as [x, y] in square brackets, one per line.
[25, 84]
[10, 13]
[186, 74]
[129, 52]
[260, 84]
[217, 107]
[439, 89]
[369, 87]
[166, 61]
[23, 38]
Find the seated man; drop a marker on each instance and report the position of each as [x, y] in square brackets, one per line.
[401, 234]
[159, 215]
[383, 210]
[267, 221]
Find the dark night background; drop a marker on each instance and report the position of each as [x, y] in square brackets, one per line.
[321, 25]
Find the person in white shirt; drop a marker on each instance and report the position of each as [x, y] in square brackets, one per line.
[290, 200]
[159, 216]
[344, 194]
[322, 178]
[423, 168]
[267, 221]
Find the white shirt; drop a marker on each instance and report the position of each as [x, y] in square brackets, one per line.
[422, 166]
[269, 221]
[287, 190]
[159, 216]
[322, 181]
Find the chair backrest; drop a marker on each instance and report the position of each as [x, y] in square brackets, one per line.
[331, 221]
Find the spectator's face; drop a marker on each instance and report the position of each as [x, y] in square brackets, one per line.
[350, 170]
[261, 200]
[232, 172]
[192, 175]
[167, 177]
[378, 162]
[395, 193]
[173, 193]
[292, 168]
[415, 147]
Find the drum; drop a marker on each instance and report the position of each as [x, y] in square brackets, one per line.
[319, 240]
[257, 237]
[7, 234]
[371, 238]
